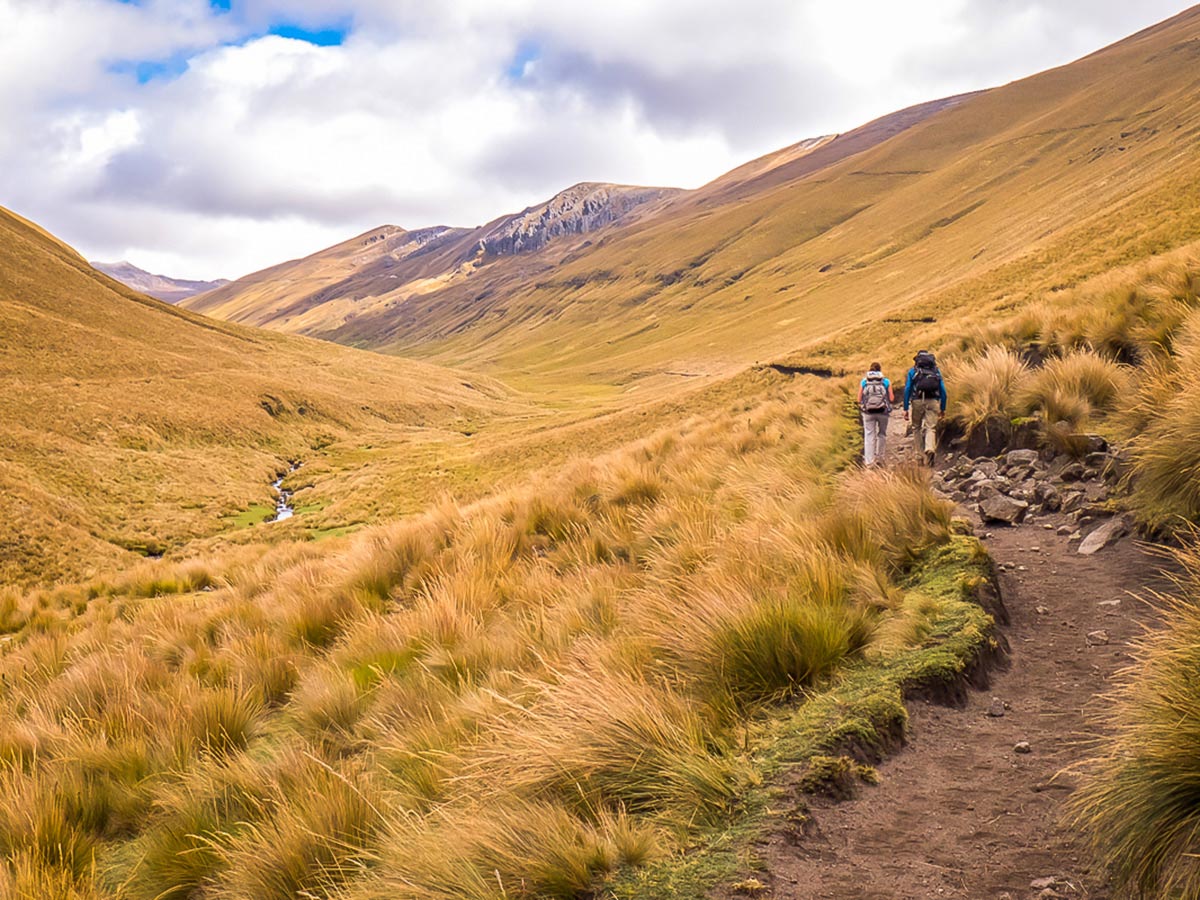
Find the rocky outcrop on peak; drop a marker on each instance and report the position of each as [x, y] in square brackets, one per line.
[161, 287]
[577, 210]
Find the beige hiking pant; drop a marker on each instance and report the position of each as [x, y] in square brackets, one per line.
[925, 415]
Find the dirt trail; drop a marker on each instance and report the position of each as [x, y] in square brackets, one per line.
[959, 813]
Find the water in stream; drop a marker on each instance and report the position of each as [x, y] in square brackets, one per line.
[283, 498]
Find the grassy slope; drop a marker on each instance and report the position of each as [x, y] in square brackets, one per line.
[1008, 193]
[125, 423]
[1042, 223]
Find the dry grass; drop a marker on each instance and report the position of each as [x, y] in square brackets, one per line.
[987, 387]
[1140, 804]
[568, 664]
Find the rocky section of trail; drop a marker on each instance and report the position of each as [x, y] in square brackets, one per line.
[972, 806]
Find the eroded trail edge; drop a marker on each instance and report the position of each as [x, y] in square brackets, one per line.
[963, 811]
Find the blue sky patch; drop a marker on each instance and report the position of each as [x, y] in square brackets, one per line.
[147, 70]
[527, 52]
[323, 37]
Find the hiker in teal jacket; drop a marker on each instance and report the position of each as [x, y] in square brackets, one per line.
[875, 401]
[925, 392]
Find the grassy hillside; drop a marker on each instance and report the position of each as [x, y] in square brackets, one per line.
[656, 581]
[996, 196]
[130, 427]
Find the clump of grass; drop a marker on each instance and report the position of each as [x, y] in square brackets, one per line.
[264, 665]
[899, 516]
[221, 721]
[388, 561]
[837, 777]
[318, 831]
[1070, 387]
[40, 823]
[328, 705]
[315, 613]
[602, 739]
[511, 848]
[636, 486]
[986, 389]
[781, 644]
[193, 819]
[28, 877]
[1166, 444]
[1140, 804]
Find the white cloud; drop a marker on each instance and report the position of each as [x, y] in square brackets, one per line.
[265, 148]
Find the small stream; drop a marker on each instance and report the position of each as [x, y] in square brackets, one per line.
[283, 498]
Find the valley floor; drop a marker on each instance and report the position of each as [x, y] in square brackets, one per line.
[958, 812]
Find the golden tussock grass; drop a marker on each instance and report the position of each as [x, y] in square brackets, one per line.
[545, 684]
[1138, 802]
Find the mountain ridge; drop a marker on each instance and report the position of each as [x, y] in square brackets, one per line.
[161, 287]
[961, 195]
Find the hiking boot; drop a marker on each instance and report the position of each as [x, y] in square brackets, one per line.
[929, 458]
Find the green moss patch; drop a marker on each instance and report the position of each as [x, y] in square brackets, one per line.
[253, 515]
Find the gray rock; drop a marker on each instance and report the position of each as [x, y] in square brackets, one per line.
[1064, 530]
[1022, 747]
[1047, 495]
[1072, 472]
[989, 467]
[1096, 492]
[1021, 457]
[999, 508]
[996, 708]
[986, 489]
[1096, 444]
[1098, 461]
[1071, 501]
[1044, 489]
[1108, 533]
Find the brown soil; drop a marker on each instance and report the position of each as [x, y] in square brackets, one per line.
[959, 813]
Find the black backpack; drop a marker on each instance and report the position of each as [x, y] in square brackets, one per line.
[927, 380]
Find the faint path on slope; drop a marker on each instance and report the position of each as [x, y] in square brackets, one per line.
[958, 813]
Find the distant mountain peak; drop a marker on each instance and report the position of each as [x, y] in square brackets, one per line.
[579, 209]
[162, 287]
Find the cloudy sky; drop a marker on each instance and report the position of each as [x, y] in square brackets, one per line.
[211, 138]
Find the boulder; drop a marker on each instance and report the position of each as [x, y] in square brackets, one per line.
[1045, 492]
[983, 489]
[1095, 443]
[1071, 501]
[1106, 534]
[1072, 472]
[988, 438]
[1021, 457]
[989, 467]
[1001, 509]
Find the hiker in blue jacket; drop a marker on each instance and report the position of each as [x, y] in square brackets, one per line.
[925, 392]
